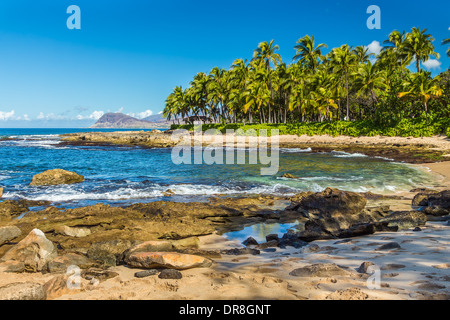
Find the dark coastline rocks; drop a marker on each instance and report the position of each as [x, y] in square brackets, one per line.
[319, 270]
[432, 202]
[168, 260]
[405, 220]
[334, 213]
[153, 139]
[56, 177]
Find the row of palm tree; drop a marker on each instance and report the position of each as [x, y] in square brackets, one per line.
[345, 84]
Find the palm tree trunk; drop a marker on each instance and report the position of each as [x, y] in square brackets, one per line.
[348, 104]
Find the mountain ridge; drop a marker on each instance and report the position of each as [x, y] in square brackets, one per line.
[123, 121]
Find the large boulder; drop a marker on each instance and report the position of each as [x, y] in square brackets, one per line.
[23, 291]
[31, 254]
[61, 263]
[55, 177]
[110, 253]
[319, 270]
[433, 202]
[9, 233]
[331, 201]
[405, 220]
[167, 260]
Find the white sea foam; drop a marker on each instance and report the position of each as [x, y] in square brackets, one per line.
[342, 154]
[295, 150]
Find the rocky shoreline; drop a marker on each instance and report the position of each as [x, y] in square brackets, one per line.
[164, 239]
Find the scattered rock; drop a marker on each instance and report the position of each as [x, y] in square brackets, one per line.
[250, 241]
[62, 262]
[240, 251]
[150, 246]
[55, 177]
[9, 233]
[170, 260]
[332, 201]
[405, 220]
[170, 274]
[58, 286]
[110, 253]
[435, 203]
[146, 273]
[388, 246]
[271, 237]
[416, 229]
[98, 274]
[32, 253]
[289, 176]
[319, 270]
[72, 232]
[364, 266]
[23, 291]
[268, 244]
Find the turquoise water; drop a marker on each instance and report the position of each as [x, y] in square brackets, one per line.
[123, 175]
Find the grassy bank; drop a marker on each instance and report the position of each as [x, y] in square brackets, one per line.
[419, 127]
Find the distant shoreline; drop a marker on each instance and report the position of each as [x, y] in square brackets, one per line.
[406, 149]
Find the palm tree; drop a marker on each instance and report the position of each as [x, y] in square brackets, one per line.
[394, 48]
[420, 86]
[342, 62]
[362, 54]
[217, 89]
[266, 53]
[257, 94]
[308, 54]
[369, 81]
[419, 46]
[447, 41]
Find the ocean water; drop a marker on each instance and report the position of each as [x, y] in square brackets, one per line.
[124, 175]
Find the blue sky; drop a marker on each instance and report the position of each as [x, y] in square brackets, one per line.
[129, 55]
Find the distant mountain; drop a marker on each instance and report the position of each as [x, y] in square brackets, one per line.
[156, 118]
[123, 121]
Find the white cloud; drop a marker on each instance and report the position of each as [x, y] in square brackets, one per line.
[375, 47]
[141, 115]
[94, 115]
[160, 112]
[26, 117]
[432, 64]
[6, 115]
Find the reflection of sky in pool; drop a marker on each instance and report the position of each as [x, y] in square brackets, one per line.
[260, 231]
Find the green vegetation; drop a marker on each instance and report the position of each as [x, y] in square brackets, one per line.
[347, 91]
[419, 127]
